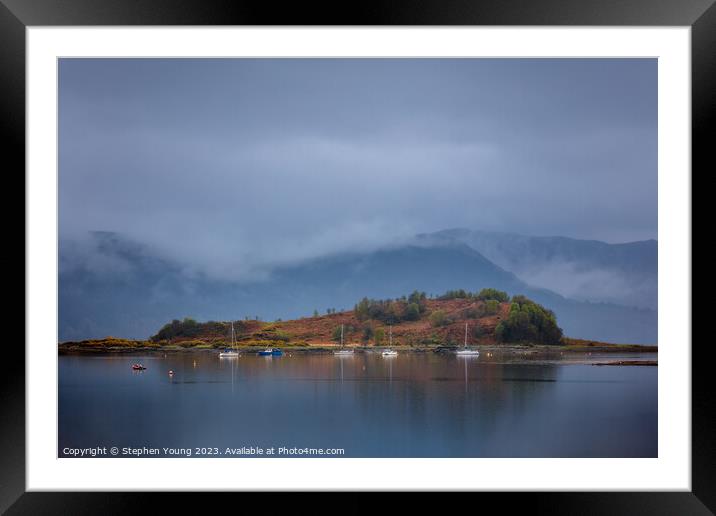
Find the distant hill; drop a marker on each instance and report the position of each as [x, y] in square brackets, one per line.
[587, 270]
[119, 288]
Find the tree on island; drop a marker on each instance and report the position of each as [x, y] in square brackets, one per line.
[187, 328]
[392, 311]
[529, 322]
[484, 295]
[492, 306]
[379, 334]
[412, 312]
[439, 318]
[493, 294]
[367, 333]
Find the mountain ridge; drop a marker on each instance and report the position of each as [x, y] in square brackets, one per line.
[144, 290]
[586, 270]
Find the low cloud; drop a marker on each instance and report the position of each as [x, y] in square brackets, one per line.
[232, 168]
[576, 282]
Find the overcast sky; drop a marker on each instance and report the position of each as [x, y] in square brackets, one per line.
[230, 164]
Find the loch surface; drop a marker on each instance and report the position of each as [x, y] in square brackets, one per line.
[412, 405]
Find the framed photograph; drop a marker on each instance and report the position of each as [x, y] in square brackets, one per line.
[436, 250]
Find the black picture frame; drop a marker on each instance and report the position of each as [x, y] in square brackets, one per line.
[16, 15]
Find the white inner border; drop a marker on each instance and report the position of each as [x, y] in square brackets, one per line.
[671, 470]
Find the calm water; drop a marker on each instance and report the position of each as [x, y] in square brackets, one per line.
[412, 405]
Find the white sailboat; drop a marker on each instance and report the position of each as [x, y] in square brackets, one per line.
[465, 351]
[390, 352]
[233, 352]
[342, 351]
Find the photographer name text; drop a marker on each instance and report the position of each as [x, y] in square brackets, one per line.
[243, 451]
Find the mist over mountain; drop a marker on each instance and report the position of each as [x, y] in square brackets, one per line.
[275, 187]
[109, 285]
[588, 270]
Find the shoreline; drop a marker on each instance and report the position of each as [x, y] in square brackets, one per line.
[113, 344]
[611, 348]
[495, 353]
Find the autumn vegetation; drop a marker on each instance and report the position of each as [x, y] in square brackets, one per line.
[414, 320]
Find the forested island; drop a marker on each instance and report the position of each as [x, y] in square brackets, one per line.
[486, 318]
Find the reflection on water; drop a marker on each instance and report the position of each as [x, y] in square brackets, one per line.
[411, 405]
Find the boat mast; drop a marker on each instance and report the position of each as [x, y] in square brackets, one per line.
[341, 335]
[465, 334]
[390, 336]
[232, 335]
